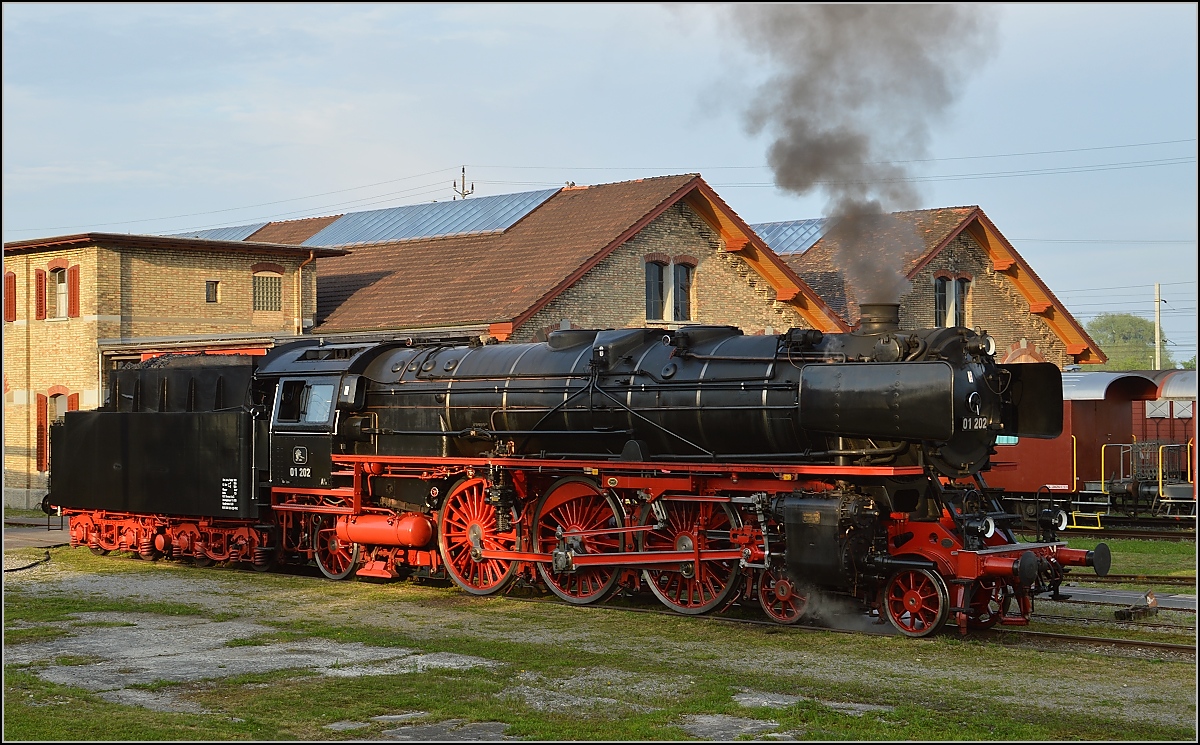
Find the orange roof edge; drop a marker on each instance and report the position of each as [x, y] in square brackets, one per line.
[1042, 302]
[741, 239]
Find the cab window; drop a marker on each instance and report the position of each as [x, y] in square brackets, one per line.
[303, 403]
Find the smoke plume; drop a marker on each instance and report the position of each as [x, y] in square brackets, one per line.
[854, 93]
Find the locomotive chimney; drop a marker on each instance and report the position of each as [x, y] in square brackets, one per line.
[879, 317]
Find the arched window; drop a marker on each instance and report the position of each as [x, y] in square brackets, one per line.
[51, 408]
[669, 283]
[656, 291]
[56, 295]
[950, 300]
[268, 286]
[268, 291]
[682, 292]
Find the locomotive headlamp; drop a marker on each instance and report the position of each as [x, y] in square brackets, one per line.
[983, 527]
[1050, 518]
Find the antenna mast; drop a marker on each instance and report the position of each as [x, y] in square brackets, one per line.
[461, 192]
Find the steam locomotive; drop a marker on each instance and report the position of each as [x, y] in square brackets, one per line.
[701, 464]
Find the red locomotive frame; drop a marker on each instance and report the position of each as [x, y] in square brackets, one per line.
[697, 536]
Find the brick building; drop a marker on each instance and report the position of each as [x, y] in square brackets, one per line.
[957, 269]
[661, 252]
[74, 306]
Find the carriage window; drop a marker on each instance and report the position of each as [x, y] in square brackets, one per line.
[302, 403]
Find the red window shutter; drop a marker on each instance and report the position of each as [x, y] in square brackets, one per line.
[73, 292]
[10, 296]
[43, 432]
[39, 304]
[73, 402]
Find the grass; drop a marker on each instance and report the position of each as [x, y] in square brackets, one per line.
[1153, 558]
[662, 668]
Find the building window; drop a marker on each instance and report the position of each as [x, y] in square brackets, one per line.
[51, 408]
[950, 301]
[682, 292]
[655, 290]
[268, 291]
[669, 287]
[210, 291]
[57, 408]
[962, 286]
[56, 297]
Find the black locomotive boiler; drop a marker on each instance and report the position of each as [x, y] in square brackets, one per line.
[700, 464]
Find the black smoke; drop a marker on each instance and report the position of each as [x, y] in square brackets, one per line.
[854, 92]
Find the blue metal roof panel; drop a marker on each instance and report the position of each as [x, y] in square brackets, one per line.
[235, 233]
[437, 219]
[791, 236]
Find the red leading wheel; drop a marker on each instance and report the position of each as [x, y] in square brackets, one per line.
[990, 599]
[467, 521]
[694, 587]
[779, 597]
[335, 558]
[577, 504]
[916, 602]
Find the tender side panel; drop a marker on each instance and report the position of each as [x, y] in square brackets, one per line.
[178, 463]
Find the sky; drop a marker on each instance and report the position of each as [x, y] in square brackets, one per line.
[1073, 127]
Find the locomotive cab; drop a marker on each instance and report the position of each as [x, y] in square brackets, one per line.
[302, 431]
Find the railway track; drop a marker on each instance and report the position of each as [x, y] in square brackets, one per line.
[863, 627]
[1113, 622]
[1188, 649]
[1147, 534]
[1150, 579]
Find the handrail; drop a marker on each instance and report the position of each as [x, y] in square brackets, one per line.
[1075, 466]
[1161, 448]
[1103, 472]
[1190, 477]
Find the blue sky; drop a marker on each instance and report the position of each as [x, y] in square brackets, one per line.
[1075, 130]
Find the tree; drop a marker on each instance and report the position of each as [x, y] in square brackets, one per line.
[1128, 341]
[1189, 364]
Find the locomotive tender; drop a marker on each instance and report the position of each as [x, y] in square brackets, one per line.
[701, 464]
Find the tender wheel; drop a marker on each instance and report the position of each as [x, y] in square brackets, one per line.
[466, 521]
[989, 601]
[779, 597]
[99, 551]
[202, 561]
[577, 504]
[916, 602]
[693, 588]
[335, 558]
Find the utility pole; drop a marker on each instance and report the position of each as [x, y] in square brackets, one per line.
[461, 192]
[1157, 327]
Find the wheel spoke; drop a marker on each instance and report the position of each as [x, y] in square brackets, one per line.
[578, 505]
[711, 582]
[465, 518]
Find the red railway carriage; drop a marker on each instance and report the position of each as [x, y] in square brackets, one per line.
[1127, 448]
[701, 465]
